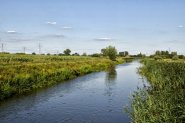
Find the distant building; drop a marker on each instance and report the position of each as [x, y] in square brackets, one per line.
[123, 54]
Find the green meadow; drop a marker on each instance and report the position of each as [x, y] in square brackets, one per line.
[20, 73]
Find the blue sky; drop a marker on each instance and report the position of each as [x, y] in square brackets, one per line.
[89, 25]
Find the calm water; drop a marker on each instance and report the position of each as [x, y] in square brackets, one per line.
[94, 98]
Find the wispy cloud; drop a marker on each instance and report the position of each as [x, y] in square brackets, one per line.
[103, 39]
[53, 36]
[58, 35]
[67, 27]
[174, 42]
[180, 26]
[11, 32]
[51, 23]
[18, 40]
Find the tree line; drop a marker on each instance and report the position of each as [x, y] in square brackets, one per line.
[166, 54]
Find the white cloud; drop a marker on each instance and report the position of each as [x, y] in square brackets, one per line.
[67, 27]
[59, 35]
[51, 23]
[103, 39]
[53, 36]
[180, 26]
[11, 31]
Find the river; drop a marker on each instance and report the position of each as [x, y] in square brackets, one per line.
[94, 98]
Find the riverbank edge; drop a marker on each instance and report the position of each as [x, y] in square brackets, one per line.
[57, 77]
[163, 100]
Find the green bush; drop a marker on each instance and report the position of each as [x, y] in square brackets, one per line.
[175, 57]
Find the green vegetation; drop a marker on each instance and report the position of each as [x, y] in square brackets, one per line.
[110, 51]
[166, 55]
[21, 73]
[67, 52]
[164, 100]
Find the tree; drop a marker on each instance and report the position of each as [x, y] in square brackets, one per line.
[166, 53]
[103, 51]
[84, 54]
[174, 53]
[95, 55]
[67, 52]
[75, 54]
[141, 55]
[158, 52]
[111, 52]
[181, 56]
[33, 53]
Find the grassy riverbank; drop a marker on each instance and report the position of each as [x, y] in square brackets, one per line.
[23, 73]
[164, 100]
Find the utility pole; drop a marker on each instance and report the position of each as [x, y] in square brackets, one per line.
[39, 48]
[169, 50]
[24, 50]
[2, 47]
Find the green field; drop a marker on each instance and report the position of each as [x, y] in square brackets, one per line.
[23, 73]
[164, 100]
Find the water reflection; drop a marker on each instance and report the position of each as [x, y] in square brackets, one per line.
[110, 81]
[111, 74]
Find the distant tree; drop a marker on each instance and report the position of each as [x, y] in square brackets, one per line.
[20, 53]
[111, 52]
[174, 53]
[163, 52]
[166, 53]
[48, 54]
[67, 52]
[181, 56]
[4, 53]
[103, 51]
[75, 54]
[84, 54]
[60, 54]
[33, 53]
[141, 55]
[158, 52]
[95, 55]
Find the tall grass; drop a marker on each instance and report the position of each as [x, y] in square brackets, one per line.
[23, 73]
[164, 100]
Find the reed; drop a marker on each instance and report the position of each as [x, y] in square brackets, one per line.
[164, 100]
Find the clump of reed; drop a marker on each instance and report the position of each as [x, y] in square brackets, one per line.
[164, 100]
